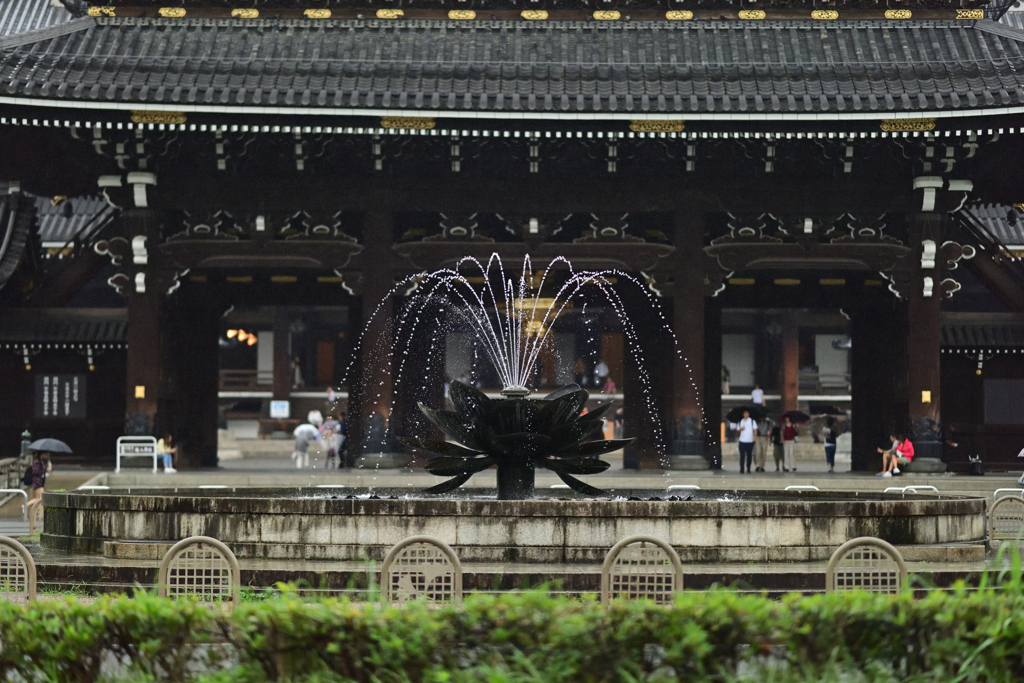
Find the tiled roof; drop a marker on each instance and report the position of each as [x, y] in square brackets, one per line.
[66, 325]
[994, 219]
[21, 16]
[981, 330]
[17, 216]
[683, 67]
[58, 224]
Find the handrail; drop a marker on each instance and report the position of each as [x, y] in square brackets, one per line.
[25, 495]
[802, 488]
[682, 487]
[1019, 492]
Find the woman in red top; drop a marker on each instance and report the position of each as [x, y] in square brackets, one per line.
[900, 455]
[789, 434]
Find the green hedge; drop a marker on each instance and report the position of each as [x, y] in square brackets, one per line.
[718, 636]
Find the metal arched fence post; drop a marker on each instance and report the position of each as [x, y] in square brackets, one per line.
[641, 567]
[421, 566]
[200, 566]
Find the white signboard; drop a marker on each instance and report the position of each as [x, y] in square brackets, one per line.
[136, 447]
[280, 410]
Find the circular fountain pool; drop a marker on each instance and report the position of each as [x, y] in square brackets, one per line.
[558, 527]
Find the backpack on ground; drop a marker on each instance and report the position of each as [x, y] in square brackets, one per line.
[975, 466]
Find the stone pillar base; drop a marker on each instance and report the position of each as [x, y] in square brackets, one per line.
[383, 461]
[926, 465]
[687, 463]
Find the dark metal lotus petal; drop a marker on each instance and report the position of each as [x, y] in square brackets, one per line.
[598, 412]
[562, 391]
[437, 447]
[573, 433]
[583, 450]
[460, 428]
[449, 467]
[522, 444]
[451, 484]
[563, 409]
[468, 401]
[574, 465]
[512, 416]
[578, 486]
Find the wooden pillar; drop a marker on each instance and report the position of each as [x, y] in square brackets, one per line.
[143, 356]
[642, 386]
[282, 358]
[713, 382]
[189, 404]
[790, 361]
[924, 336]
[686, 418]
[874, 323]
[376, 391]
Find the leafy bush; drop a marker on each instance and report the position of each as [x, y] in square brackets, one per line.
[962, 635]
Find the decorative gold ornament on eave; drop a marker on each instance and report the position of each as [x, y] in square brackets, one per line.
[656, 126]
[173, 12]
[317, 14]
[970, 14]
[101, 11]
[246, 13]
[825, 14]
[140, 116]
[751, 14]
[407, 122]
[904, 125]
[390, 14]
[607, 15]
[1019, 207]
[461, 14]
[534, 14]
[898, 14]
[679, 15]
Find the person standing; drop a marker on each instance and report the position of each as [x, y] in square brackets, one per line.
[828, 435]
[579, 370]
[757, 395]
[600, 373]
[166, 450]
[777, 446]
[344, 457]
[764, 432]
[789, 434]
[746, 428]
[301, 453]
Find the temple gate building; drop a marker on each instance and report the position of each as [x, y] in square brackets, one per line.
[202, 203]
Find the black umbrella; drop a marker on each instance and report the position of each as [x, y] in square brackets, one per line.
[736, 414]
[796, 417]
[49, 446]
[818, 408]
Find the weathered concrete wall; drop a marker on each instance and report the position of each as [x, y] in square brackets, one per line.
[805, 527]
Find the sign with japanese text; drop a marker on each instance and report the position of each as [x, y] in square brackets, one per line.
[60, 396]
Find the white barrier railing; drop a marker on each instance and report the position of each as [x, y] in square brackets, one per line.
[136, 447]
[23, 495]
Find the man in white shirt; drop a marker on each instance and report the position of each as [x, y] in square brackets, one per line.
[757, 395]
[747, 428]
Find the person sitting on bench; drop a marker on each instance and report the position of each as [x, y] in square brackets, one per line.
[900, 455]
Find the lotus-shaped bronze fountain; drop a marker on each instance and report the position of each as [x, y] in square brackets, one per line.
[518, 435]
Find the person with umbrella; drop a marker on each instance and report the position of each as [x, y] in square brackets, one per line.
[35, 475]
[303, 434]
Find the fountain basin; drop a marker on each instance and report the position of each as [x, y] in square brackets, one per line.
[717, 526]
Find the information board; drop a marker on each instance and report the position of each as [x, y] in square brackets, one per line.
[60, 396]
